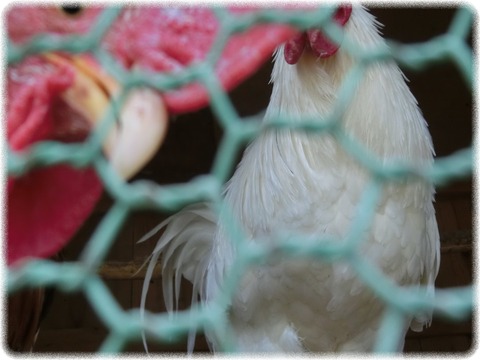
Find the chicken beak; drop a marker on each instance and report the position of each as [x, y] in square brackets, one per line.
[142, 123]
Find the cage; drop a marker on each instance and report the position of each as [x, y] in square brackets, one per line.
[71, 325]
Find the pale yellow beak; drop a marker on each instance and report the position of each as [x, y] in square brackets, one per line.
[140, 130]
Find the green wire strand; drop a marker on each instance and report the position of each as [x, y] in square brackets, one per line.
[126, 326]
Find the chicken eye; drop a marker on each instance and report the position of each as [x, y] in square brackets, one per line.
[71, 9]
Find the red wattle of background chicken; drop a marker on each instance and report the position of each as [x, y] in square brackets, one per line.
[47, 205]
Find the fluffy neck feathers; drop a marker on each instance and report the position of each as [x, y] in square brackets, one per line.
[289, 169]
[383, 114]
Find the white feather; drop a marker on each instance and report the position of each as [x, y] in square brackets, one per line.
[299, 183]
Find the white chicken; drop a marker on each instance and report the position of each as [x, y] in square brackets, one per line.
[292, 182]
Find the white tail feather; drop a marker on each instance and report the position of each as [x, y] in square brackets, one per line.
[185, 247]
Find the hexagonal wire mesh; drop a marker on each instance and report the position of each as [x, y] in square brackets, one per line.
[82, 275]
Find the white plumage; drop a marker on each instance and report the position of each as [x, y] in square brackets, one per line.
[291, 182]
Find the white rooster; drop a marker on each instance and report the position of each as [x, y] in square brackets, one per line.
[292, 182]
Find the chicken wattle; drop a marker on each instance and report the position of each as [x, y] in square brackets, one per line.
[62, 97]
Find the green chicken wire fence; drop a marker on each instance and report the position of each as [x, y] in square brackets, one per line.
[81, 276]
